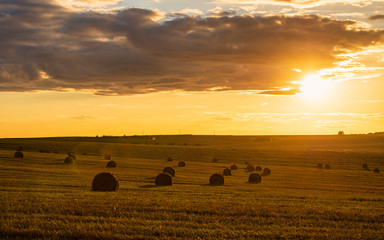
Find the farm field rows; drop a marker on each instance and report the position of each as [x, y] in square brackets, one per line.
[43, 198]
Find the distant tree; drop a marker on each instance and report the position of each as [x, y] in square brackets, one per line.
[340, 133]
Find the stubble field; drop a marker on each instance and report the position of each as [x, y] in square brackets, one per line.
[43, 198]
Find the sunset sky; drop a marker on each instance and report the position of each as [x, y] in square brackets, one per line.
[86, 68]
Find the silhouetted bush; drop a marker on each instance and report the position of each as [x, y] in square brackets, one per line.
[105, 182]
[216, 179]
[111, 164]
[327, 166]
[169, 170]
[181, 164]
[258, 168]
[215, 160]
[163, 179]
[169, 159]
[320, 166]
[72, 155]
[365, 167]
[254, 178]
[376, 170]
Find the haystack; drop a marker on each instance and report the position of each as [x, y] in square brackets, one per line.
[254, 178]
[19, 154]
[181, 164]
[376, 170]
[266, 171]
[216, 179]
[227, 172]
[111, 164]
[68, 160]
[250, 168]
[163, 179]
[169, 159]
[169, 170]
[106, 182]
[327, 166]
[72, 155]
[234, 167]
[258, 168]
[320, 166]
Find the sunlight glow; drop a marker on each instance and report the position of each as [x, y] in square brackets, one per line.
[314, 87]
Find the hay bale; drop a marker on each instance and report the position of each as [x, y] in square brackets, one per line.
[266, 171]
[181, 164]
[376, 170]
[111, 164]
[234, 167]
[163, 179]
[72, 155]
[250, 168]
[19, 154]
[254, 178]
[215, 160]
[258, 168]
[320, 166]
[216, 179]
[107, 156]
[169, 159]
[169, 170]
[105, 182]
[227, 172]
[327, 166]
[68, 160]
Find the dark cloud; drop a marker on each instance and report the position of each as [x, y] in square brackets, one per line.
[376, 17]
[281, 92]
[47, 47]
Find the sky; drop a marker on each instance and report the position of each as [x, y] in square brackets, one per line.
[264, 67]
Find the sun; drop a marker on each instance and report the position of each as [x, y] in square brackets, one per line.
[313, 86]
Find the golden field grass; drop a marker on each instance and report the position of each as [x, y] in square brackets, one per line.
[42, 198]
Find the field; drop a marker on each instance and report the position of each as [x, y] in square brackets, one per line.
[43, 198]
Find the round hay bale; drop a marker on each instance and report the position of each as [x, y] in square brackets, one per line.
[215, 160]
[376, 170]
[327, 166]
[72, 155]
[250, 168]
[105, 182]
[258, 168]
[181, 164]
[19, 154]
[169, 170]
[107, 156]
[254, 178]
[234, 167]
[266, 171]
[320, 166]
[216, 179]
[227, 172]
[68, 160]
[169, 159]
[163, 179]
[111, 164]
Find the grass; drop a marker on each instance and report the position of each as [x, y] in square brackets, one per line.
[43, 198]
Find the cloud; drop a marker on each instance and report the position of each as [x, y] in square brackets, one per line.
[136, 51]
[376, 17]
